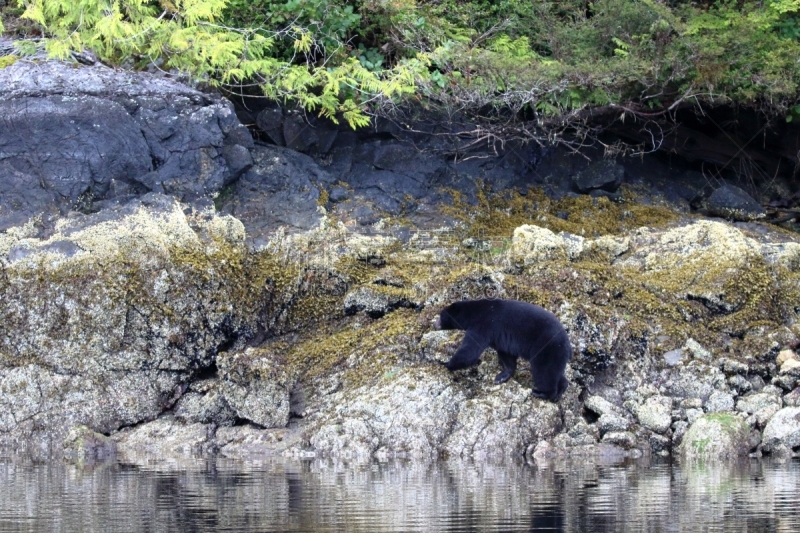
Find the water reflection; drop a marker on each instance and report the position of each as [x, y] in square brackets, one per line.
[317, 496]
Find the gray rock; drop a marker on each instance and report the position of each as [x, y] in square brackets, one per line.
[755, 402]
[792, 399]
[583, 433]
[673, 357]
[376, 301]
[164, 437]
[656, 413]
[623, 439]
[732, 202]
[660, 445]
[248, 442]
[257, 386]
[83, 135]
[338, 194]
[697, 350]
[782, 432]
[207, 406]
[693, 414]
[719, 402]
[610, 422]
[716, 436]
[83, 443]
[678, 431]
[270, 121]
[411, 413]
[439, 346]
[282, 188]
[739, 384]
[88, 339]
[760, 418]
[599, 405]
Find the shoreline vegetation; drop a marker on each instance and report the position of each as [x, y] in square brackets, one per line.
[519, 69]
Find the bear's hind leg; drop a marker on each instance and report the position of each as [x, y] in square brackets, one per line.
[509, 363]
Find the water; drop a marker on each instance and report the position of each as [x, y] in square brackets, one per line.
[218, 495]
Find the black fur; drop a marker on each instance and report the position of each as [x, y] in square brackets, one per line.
[514, 329]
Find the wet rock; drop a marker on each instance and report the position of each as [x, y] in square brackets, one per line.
[247, 442]
[656, 413]
[782, 432]
[732, 202]
[623, 439]
[660, 445]
[604, 175]
[83, 443]
[716, 436]
[164, 437]
[678, 431]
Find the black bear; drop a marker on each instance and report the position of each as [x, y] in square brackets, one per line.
[514, 329]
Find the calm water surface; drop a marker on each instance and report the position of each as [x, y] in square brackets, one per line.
[284, 495]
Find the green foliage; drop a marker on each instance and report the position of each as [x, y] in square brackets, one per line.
[349, 58]
[187, 35]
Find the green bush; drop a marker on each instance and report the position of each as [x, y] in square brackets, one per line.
[350, 59]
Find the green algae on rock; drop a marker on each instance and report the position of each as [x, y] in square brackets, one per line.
[716, 436]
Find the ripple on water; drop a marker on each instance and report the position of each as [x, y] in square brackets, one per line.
[218, 495]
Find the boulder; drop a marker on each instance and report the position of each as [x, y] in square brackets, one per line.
[603, 175]
[732, 202]
[782, 432]
[716, 436]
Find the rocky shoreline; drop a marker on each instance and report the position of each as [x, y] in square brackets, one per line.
[170, 286]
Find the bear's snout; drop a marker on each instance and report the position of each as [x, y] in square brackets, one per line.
[437, 324]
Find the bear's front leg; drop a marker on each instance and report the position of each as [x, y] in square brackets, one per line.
[469, 353]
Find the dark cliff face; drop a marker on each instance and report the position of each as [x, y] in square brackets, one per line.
[82, 138]
[77, 138]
